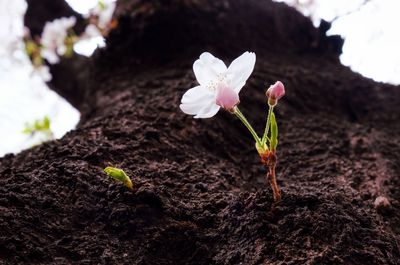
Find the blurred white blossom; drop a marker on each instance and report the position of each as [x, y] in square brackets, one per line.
[100, 18]
[11, 29]
[103, 11]
[369, 28]
[53, 38]
[92, 31]
[43, 72]
[24, 95]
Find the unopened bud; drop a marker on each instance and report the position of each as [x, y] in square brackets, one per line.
[275, 92]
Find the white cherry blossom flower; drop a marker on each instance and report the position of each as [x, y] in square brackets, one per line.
[219, 85]
[53, 38]
[104, 11]
[43, 72]
[92, 31]
[12, 28]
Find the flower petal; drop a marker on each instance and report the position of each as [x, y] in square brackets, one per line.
[207, 68]
[195, 99]
[208, 111]
[191, 109]
[50, 56]
[92, 31]
[44, 72]
[240, 70]
[276, 91]
[195, 107]
[196, 94]
[226, 98]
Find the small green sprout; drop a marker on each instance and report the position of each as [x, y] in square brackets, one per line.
[39, 126]
[119, 175]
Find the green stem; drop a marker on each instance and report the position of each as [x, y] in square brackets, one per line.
[265, 136]
[243, 119]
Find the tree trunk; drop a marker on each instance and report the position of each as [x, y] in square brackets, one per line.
[202, 196]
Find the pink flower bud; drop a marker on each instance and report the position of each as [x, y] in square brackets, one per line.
[275, 92]
[227, 98]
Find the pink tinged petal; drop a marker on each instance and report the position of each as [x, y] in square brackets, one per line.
[207, 68]
[227, 98]
[240, 70]
[275, 92]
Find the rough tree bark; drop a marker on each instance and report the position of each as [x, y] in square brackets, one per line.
[202, 196]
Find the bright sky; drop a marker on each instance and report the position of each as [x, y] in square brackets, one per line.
[372, 41]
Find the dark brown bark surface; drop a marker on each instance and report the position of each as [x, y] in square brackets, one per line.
[202, 195]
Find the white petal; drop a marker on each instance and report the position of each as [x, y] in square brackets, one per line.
[50, 56]
[61, 49]
[195, 108]
[195, 99]
[208, 111]
[106, 15]
[92, 31]
[207, 68]
[44, 72]
[196, 94]
[65, 22]
[240, 70]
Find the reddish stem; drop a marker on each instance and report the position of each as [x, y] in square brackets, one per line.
[274, 185]
[269, 159]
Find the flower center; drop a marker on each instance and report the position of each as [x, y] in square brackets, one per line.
[215, 84]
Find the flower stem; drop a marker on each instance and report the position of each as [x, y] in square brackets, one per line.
[265, 136]
[269, 159]
[272, 181]
[243, 119]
